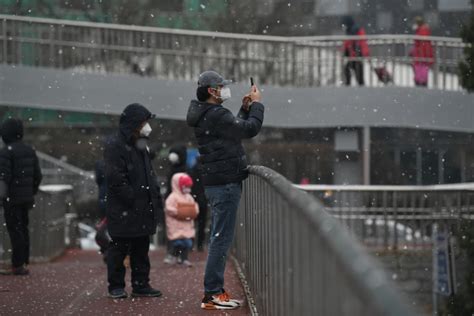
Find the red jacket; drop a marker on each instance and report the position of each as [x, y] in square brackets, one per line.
[357, 48]
[423, 49]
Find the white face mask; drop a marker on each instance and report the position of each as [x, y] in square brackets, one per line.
[225, 93]
[414, 27]
[186, 190]
[146, 130]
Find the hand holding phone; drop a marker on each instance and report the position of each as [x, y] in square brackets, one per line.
[254, 94]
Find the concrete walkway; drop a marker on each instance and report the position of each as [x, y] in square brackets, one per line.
[75, 284]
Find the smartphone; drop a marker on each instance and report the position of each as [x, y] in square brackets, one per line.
[251, 81]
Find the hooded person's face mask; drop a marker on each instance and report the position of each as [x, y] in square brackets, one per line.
[146, 130]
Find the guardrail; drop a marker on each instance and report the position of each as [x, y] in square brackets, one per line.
[298, 260]
[181, 54]
[396, 217]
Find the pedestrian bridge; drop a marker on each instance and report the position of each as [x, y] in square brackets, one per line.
[289, 248]
[99, 68]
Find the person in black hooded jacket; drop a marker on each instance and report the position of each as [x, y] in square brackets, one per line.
[223, 166]
[20, 177]
[133, 202]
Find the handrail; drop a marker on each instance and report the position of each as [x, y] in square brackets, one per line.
[138, 28]
[226, 35]
[361, 270]
[436, 187]
[65, 165]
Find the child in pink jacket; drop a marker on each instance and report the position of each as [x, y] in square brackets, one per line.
[181, 210]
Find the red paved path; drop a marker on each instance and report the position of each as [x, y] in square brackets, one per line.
[75, 284]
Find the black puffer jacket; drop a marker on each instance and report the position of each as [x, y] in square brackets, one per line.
[19, 167]
[133, 193]
[219, 135]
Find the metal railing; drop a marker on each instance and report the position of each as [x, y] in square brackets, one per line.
[181, 54]
[397, 217]
[298, 260]
[56, 171]
[47, 224]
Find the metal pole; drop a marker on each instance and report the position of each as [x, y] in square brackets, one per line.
[4, 40]
[419, 166]
[366, 154]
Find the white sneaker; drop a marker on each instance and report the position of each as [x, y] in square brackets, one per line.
[219, 301]
[169, 259]
[187, 263]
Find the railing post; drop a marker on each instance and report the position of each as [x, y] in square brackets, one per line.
[4, 41]
[436, 66]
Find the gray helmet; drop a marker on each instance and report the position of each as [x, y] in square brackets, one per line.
[212, 79]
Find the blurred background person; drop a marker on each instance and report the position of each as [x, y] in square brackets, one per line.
[102, 237]
[354, 50]
[422, 53]
[20, 177]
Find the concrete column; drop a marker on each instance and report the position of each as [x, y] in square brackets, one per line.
[441, 159]
[419, 166]
[366, 154]
[462, 164]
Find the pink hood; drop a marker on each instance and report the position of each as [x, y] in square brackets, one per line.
[178, 229]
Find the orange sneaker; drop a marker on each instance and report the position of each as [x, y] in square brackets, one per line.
[219, 301]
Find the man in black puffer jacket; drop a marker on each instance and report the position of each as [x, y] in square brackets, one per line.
[20, 177]
[133, 202]
[224, 166]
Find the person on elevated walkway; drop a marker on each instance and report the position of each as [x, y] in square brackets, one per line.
[20, 177]
[422, 53]
[219, 136]
[355, 50]
[133, 202]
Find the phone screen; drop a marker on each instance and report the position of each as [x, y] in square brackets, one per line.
[251, 81]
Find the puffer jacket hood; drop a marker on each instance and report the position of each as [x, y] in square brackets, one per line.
[175, 183]
[196, 110]
[12, 130]
[131, 118]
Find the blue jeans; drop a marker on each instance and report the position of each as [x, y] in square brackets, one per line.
[181, 247]
[186, 243]
[224, 201]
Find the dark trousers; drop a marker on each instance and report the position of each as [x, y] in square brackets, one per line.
[358, 69]
[16, 218]
[137, 248]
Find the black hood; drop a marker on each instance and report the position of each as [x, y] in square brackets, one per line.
[196, 111]
[132, 118]
[351, 27]
[12, 130]
[181, 151]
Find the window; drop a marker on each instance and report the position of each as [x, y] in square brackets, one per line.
[77, 4]
[454, 5]
[333, 7]
[168, 6]
[415, 5]
[384, 21]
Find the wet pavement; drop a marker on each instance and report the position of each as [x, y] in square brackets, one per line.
[75, 284]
